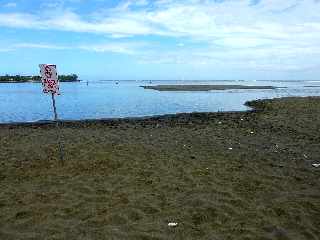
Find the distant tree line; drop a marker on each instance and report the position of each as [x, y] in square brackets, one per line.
[19, 78]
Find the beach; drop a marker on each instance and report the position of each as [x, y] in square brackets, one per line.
[226, 175]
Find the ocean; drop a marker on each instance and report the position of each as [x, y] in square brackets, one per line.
[25, 102]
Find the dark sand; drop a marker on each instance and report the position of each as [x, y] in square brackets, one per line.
[203, 87]
[127, 179]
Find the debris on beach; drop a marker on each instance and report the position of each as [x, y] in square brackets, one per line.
[252, 132]
[219, 122]
[316, 165]
[241, 119]
[172, 224]
[230, 148]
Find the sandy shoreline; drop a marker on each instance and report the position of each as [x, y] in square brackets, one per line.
[117, 121]
[234, 175]
[204, 87]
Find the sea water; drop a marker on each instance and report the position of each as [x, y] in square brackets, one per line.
[25, 102]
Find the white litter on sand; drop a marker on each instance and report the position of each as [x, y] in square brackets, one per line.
[230, 148]
[172, 224]
[316, 165]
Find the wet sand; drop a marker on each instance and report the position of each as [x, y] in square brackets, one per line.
[203, 87]
[236, 175]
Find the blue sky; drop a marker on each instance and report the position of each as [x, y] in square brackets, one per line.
[163, 39]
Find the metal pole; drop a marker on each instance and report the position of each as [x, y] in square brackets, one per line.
[58, 128]
[54, 107]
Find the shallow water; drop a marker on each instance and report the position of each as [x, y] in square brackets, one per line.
[25, 102]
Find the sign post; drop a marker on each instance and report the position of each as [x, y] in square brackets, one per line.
[50, 84]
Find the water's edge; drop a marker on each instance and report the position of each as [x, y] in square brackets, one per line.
[251, 104]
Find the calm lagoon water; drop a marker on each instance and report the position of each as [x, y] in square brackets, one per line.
[25, 102]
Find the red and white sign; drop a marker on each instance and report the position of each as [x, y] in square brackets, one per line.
[49, 78]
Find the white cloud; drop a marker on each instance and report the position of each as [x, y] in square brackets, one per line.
[14, 47]
[122, 48]
[238, 31]
[10, 5]
[5, 49]
[69, 21]
[39, 45]
[128, 48]
[196, 19]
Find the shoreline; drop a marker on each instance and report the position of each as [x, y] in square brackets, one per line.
[254, 105]
[121, 120]
[207, 87]
[159, 117]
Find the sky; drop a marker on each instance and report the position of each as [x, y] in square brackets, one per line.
[163, 39]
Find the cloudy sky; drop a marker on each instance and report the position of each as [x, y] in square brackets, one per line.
[163, 39]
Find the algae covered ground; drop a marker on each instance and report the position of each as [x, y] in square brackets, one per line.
[240, 175]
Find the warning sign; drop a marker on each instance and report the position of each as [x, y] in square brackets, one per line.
[49, 78]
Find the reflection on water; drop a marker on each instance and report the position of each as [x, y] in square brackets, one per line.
[108, 99]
